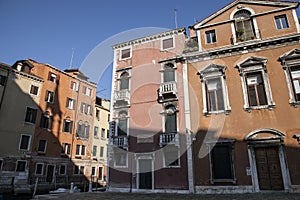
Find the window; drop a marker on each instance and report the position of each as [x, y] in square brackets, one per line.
[83, 130]
[34, 90]
[2, 80]
[83, 107]
[87, 91]
[62, 169]
[94, 151]
[93, 173]
[81, 169]
[243, 25]
[39, 169]
[169, 73]
[52, 77]
[46, 121]
[281, 22]
[78, 147]
[255, 89]
[70, 103]
[211, 37]
[124, 81]
[74, 86]
[120, 159]
[80, 150]
[167, 43]
[107, 134]
[222, 163]
[101, 152]
[215, 99]
[65, 148]
[98, 114]
[170, 119]
[100, 177]
[125, 53]
[67, 126]
[89, 110]
[295, 76]
[96, 131]
[255, 84]
[78, 169]
[30, 116]
[122, 124]
[102, 133]
[42, 146]
[1, 164]
[171, 156]
[24, 142]
[49, 97]
[21, 166]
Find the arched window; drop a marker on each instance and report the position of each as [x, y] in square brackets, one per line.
[122, 123]
[124, 81]
[243, 25]
[169, 73]
[170, 119]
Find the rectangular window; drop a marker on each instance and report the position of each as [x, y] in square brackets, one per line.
[65, 148]
[281, 22]
[39, 168]
[295, 75]
[98, 114]
[88, 92]
[88, 110]
[42, 146]
[96, 131]
[67, 126]
[211, 37]
[46, 121]
[222, 162]
[62, 169]
[107, 134]
[215, 99]
[1, 164]
[52, 77]
[82, 150]
[93, 173]
[256, 89]
[74, 86]
[76, 169]
[2, 80]
[171, 156]
[122, 127]
[21, 166]
[171, 123]
[102, 133]
[70, 103]
[167, 43]
[81, 169]
[94, 150]
[24, 142]
[82, 107]
[86, 131]
[125, 53]
[30, 116]
[120, 159]
[49, 97]
[34, 90]
[101, 152]
[77, 149]
[100, 177]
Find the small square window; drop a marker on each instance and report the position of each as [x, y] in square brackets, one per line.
[30, 116]
[42, 146]
[39, 168]
[67, 126]
[46, 121]
[125, 53]
[167, 43]
[21, 166]
[34, 90]
[49, 97]
[66, 147]
[52, 77]
[70, 103]
[281, 22]
[211, 37]
[25, 142]
[120, 159]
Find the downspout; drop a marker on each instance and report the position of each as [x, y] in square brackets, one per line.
[187, 113]
[4, 89]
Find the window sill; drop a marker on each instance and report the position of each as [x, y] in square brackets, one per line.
[213, 181]
[295, 104]
[270, 107]
[226, 112]
[41, 153]
[172, 167]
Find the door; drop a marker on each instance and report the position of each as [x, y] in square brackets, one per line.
[50, 173]
[145, 174]
[268, 168]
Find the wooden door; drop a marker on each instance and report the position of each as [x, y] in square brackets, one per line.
[50, 173]
[145, 174]
[268, 168]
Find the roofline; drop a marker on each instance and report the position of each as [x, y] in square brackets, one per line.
[150, 37]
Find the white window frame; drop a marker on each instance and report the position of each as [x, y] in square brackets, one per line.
[71, 103]
[52, 75]
[252, 65]
[29, 142]
[35, 171]
[48, 97]
[125, 48]
[162, 43]
[74, 86]
[210, 72]
[45, 147]
[64, 126]
[38, 90]
[95, 171]
[66, 147]
[280, 17]
[209, 33]
[17, 165]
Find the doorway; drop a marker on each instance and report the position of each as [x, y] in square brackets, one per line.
[145, 174]
[50, 173]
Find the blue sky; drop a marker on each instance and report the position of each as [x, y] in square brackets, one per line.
[48, 30]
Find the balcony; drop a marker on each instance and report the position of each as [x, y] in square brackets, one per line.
[167, 91]
[243, 36]
[121, 97]
[120, 141]
[168, 138]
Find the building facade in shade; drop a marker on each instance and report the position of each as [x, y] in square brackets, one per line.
[20, 93]
[147, 148]
[243, 72]
[100, 140]
[62, 144]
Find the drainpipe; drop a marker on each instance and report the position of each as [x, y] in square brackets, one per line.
[187, 113]
[4, 89]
